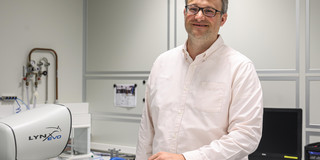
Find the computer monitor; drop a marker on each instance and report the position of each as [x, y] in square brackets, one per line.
[281, 135]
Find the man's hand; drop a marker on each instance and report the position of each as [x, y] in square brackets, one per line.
[166, 156]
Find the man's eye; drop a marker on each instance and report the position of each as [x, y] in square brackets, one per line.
[209, 11]
[193, 9]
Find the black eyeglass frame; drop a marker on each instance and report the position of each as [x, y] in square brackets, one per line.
[200, 8]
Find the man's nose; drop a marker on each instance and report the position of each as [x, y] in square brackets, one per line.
[200, 15]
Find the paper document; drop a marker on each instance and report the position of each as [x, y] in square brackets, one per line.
[125, 95]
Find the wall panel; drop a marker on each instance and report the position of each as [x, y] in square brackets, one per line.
[113, 131]
[122, 35]
[313, 102]
[110, 124]
[280, 92]
[312, 137]
[314, 35]
[100, 92]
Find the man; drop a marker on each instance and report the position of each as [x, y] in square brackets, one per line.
[203, 99]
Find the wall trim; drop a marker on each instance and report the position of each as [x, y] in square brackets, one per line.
[105, 147]
[84, 50]
[116, 72]
[308, 123]
[116, 77]
[133, 118]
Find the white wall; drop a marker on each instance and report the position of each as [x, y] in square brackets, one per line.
[55, 24]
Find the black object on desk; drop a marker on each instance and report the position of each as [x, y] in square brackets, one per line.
[312, 151]
[281, 135]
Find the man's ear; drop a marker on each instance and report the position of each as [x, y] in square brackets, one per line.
[224, 18]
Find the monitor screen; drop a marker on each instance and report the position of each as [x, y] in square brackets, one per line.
[281, 134]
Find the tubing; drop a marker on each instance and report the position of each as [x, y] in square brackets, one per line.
[47, 87]
[56, 57]
[35, 96]
[24, 103]
[28, 100]
[46, 65]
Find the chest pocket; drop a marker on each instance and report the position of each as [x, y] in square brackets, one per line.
[163, 93]
[210, 96]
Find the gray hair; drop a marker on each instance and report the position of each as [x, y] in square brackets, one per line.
[224, 6]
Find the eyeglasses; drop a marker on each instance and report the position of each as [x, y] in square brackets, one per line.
[207, 11]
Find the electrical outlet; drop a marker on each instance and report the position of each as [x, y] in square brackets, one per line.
[8, 98]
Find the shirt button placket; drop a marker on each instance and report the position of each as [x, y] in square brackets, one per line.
[181, 109]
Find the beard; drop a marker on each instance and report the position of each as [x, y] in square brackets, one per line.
[205, 32]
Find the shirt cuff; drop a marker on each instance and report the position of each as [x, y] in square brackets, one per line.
[192, 155]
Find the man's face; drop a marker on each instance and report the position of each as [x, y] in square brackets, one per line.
[200, 26]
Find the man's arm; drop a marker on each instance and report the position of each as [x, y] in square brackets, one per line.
[166, 156]
[146, 131]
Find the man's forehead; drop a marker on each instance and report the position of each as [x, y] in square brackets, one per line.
[212, 3]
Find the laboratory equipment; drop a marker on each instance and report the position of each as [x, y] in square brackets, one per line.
[312, 151]
[34, 69]
[78, 146]
[36, 134]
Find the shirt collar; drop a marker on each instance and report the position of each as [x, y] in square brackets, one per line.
[203, 56]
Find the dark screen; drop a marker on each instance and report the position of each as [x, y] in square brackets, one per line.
[282, 132]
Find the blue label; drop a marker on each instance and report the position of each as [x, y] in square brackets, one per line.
[314, 153]
[117, 158]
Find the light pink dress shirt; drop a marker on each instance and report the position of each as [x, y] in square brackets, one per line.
[207, 109]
